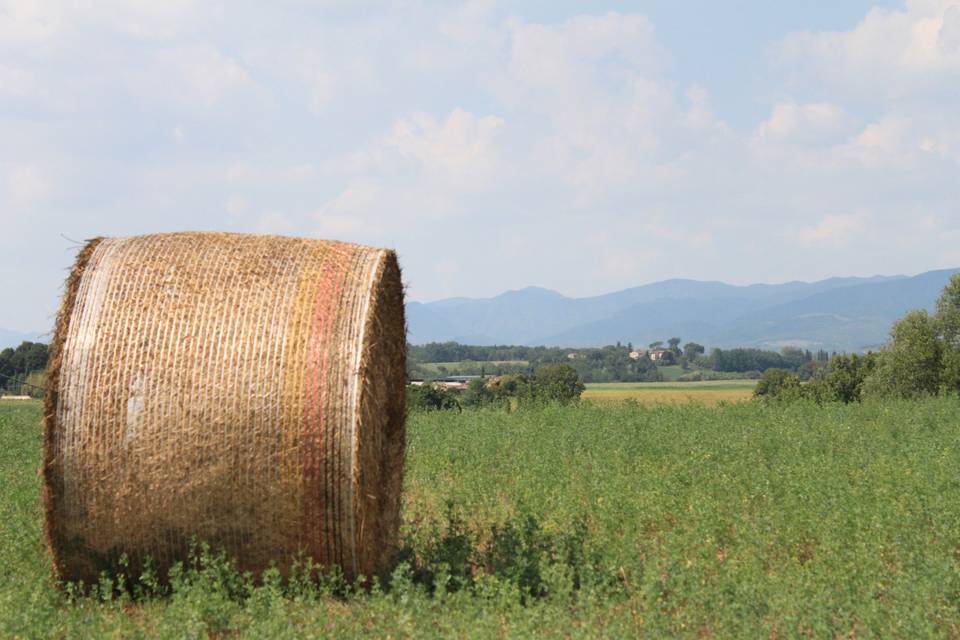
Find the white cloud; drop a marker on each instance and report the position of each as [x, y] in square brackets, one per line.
[47, 25]
[29, 22]
[896, 69]
[824, 138]
[423, 169]
[465, 33]
[197, 76]
[322, 90]
[460, 150]
[274, 223]
[560, 58]
[469, 23]
[237, 204]
[619, 259]
[881, 144]
[676, 235]
[17, 83]
[834, 231]
[360, 198]
[606, 121]
[812, 123]
[240, 173]
[26, 186]
[373, 210]
[699, 115]
[148, 19]
[323, 71]
[892, 53]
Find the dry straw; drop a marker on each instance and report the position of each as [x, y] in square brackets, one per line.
[244, 390]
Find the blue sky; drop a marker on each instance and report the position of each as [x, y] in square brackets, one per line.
[580, 146]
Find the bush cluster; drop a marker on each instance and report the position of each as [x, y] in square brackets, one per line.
[841, 381]
[921, 359]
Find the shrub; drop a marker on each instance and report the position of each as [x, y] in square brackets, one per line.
[557, 383]
[430, 397]
[909, 366]
[778, 384]
[846, 376]
[478, 394]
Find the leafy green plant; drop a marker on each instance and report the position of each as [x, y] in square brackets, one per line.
[749, 520]
[431, 397]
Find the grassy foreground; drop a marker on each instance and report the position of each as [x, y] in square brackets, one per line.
[610, 520]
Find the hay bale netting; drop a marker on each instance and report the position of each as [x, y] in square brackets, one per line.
[245, 390]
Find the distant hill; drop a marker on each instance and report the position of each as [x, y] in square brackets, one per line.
[836, 314]
[10, 338]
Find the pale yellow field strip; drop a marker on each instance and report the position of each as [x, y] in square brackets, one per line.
[710, 397]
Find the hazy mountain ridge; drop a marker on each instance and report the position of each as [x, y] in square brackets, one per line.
[836, 313]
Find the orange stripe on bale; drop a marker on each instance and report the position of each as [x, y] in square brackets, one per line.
[316, 458]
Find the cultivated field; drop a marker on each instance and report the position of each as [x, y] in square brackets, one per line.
[671, 372]
[708, 392]
[603, 520]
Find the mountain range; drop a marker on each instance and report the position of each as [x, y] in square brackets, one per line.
[843, 314]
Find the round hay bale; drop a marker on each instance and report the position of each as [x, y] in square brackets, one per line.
[244, 390]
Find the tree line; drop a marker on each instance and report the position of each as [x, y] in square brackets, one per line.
[612, 363]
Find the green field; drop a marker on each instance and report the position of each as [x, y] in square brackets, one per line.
[710, 392]
[602, 520]
[671, 372]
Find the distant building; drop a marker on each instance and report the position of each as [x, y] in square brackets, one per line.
[636, 355]
[459, 379]
[656, 355]
[452, 385]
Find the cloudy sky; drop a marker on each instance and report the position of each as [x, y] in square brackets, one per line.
[580, 146]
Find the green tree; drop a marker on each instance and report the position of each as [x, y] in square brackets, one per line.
[509, 386]
[431, 397]
[17, 364]
[793, 358]
[557, 382]
[948, 326]
[691, 350]
[656, 345]
[910, 365]
[7, 367]
[477, 394]
[674, 346]
[778, 384]
[846, 376]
